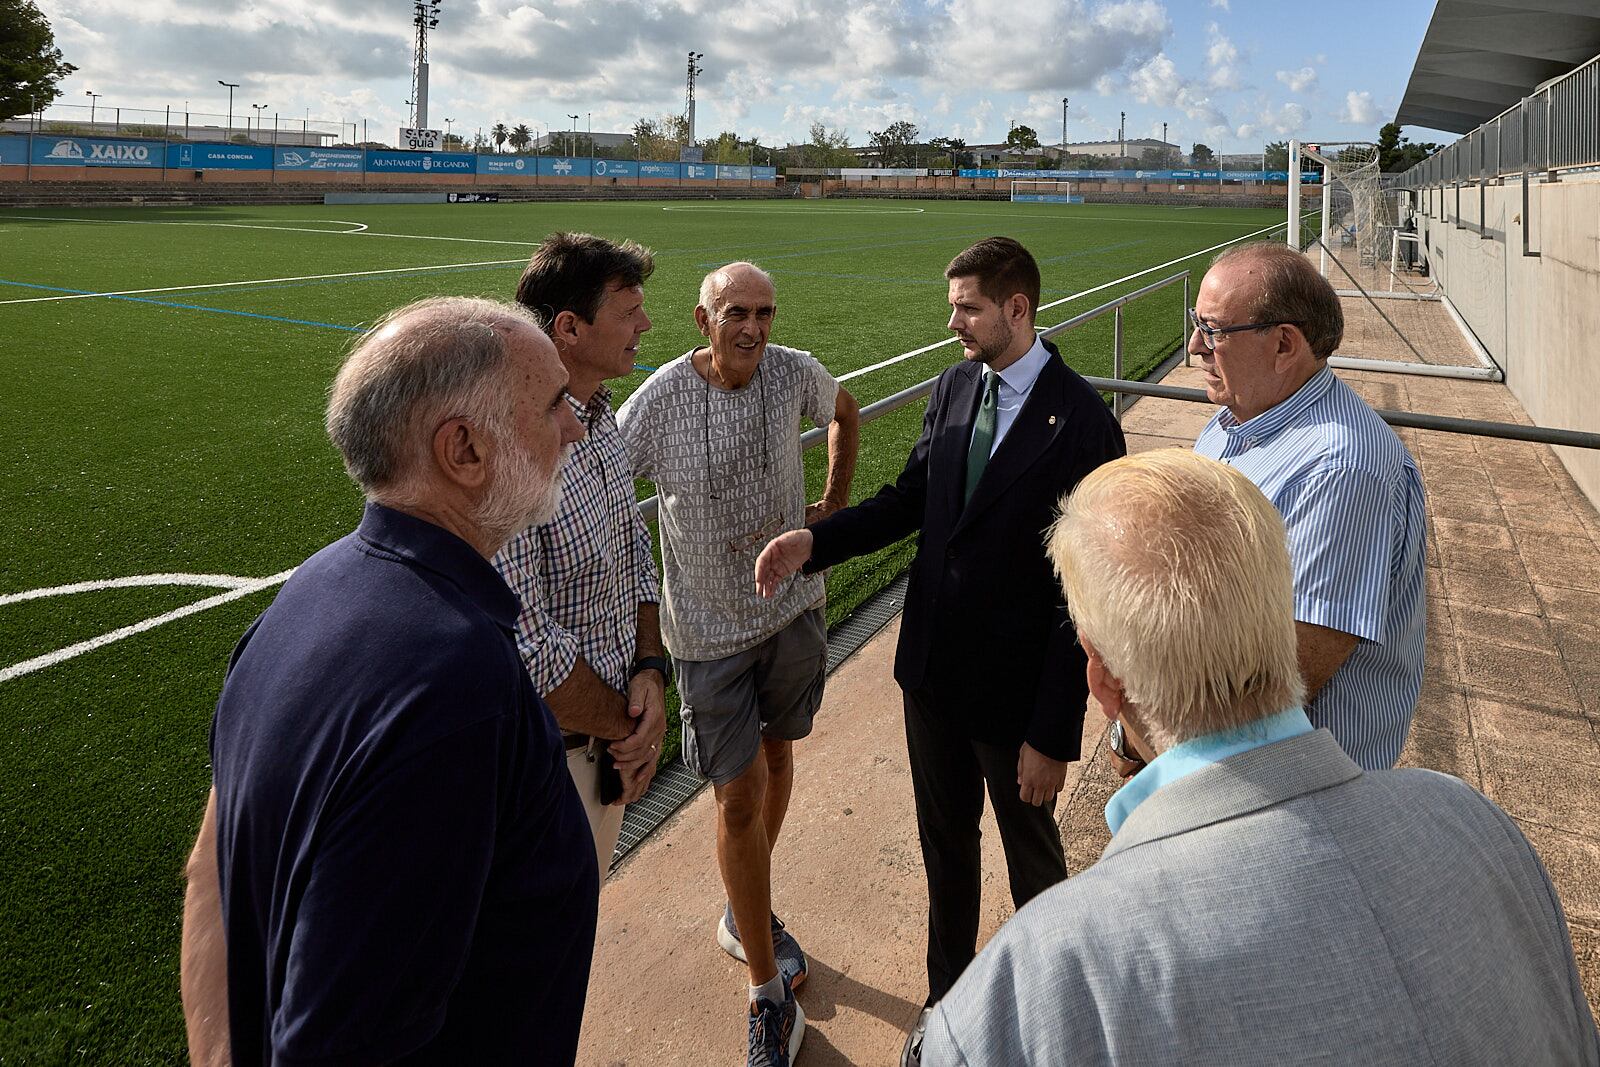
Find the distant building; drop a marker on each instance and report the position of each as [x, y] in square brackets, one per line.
[1140, 148]
[557, 140]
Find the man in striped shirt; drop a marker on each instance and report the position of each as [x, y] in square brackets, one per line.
[589, 631]
[1263, 326]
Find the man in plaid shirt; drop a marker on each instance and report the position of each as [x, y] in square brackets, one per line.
[589, 632]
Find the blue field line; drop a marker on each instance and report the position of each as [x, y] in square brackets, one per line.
[186, 307]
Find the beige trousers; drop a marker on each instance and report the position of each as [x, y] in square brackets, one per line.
[605, 820]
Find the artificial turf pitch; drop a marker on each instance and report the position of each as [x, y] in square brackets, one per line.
[176, 428]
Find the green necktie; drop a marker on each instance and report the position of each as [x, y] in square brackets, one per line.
[982, 432]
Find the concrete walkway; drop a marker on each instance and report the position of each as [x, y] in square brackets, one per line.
[1510, 703]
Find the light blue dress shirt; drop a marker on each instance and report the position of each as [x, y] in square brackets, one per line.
[1351, 500]
[1199, 752]
[1016, 382]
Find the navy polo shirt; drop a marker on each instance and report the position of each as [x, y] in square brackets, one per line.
[407, 872]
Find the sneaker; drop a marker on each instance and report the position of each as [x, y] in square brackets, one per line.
[775, 1030]
[785, 949]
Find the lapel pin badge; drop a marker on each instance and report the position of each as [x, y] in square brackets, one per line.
[1052, 420]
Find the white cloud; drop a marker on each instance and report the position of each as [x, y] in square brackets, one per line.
[1222, 57]
[1300, 80]
[1051, 44]
[1359, 109]
[1159, 83]
[1222, 4]
[1284, 121]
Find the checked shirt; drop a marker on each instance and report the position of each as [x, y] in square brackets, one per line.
[582, 576]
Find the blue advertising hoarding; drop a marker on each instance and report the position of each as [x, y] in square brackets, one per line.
[733, 174]
[699, 171]
[507, 165]
[766, 174]
[384, 162]
[13, 151]
[615, 168]
[563, 167]
[307, 158]
[54, 151]
[219, 157]
[660, 170]
[1022, 173]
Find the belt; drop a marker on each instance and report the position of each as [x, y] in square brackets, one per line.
[575, 741]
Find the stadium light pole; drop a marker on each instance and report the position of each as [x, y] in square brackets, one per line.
[1122, 135]
[695, 70]
[572, 138]
[94, 98]
[447, 123]
[1063, 130]
[231, 87]
[259, 108]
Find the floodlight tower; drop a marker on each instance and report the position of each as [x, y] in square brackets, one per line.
[424, 16]
[1122, 135]
[1063, 129]
[695, 70]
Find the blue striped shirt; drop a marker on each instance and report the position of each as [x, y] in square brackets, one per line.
[1351, 498]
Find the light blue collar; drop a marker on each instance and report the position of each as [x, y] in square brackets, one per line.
[1199, 752]
[1267, 424]
[1021, 375]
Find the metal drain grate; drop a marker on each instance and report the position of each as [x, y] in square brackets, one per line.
[675, 785]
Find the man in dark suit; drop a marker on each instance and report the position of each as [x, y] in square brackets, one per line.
[988, 660]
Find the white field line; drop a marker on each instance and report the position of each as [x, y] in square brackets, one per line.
[359, 226]
[360, 231]
[60, 655]
[261, 281]
[248, 586]
[804, 210]
[902, 357]
[134, 581]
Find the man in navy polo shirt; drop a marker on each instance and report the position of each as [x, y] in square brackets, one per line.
[403, 869]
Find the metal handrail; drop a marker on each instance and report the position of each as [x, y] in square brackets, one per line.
[1554, 128]
[650, 507]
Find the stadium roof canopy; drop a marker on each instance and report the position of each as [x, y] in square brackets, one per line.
[1480, 57]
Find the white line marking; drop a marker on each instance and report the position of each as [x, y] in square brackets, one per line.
[50, 659]
[359, 226]
[261, 281]
[134, 581]
[902, 357]
[720, 210]
[1092, 218]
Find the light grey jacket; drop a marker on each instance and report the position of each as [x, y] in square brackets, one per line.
[1282, 906]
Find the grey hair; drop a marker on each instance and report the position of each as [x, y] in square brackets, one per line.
[1290, 290]
[432, 359]
[713, 283]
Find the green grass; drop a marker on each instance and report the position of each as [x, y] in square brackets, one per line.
[138, 436]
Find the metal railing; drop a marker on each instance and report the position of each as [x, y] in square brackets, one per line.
[1118, 388]
[1555, 128]
[650, 507]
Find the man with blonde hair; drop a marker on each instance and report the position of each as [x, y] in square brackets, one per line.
[393, 864]
[1263, 899]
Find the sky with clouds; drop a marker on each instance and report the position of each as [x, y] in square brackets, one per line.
[1230, 73]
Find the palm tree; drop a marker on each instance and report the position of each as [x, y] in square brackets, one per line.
[521, 137]
[500, 133]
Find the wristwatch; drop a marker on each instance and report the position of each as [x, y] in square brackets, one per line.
[1116, 740]
[652, 663]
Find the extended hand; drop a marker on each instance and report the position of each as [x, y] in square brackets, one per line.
[783, 556]
[1039, 778]
[636, 754]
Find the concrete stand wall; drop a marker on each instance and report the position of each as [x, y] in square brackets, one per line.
[1538, 316]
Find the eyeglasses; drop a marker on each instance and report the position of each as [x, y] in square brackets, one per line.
[1209, 334]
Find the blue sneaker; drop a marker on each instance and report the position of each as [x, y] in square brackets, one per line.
[775, 1030]
[785, 949]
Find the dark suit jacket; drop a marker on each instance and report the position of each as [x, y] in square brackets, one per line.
[985, 641]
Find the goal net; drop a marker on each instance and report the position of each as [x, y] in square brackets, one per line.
[1355, 218]
[1042, 191]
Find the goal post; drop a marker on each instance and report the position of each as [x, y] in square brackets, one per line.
[1042, 191]
[1355, 219]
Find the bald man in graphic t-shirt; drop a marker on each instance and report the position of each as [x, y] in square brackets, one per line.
[718, 431]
